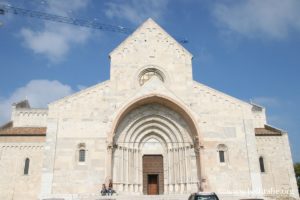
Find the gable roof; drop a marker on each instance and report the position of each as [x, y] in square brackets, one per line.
[7, 125]
[9, 130]
[145, 27]
[268, 131]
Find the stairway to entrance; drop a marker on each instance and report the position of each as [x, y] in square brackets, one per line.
[140, 197]
[155, 197]
[149, 197]
[119, 197]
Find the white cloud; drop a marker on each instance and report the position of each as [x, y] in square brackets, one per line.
[136, 11]
[259, 18]
[266, 101]
[55, 39]
[38, 92]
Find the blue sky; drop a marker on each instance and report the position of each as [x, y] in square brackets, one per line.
[248, 49]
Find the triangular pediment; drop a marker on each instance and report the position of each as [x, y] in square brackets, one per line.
[151, 35]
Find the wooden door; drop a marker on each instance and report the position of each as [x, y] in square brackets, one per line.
[153, 174]
[153, 184]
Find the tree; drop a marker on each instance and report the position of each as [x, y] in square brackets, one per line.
[297, 172]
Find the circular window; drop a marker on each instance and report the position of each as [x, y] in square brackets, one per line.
[148, 73]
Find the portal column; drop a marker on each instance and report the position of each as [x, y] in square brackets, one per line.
[135, 170]
[172, 171]
[169, 171]
[200, 175]
[130, 171]
[179, 170]
[140, 172]
[165, 172]
[109, 163]
[122, 169]
[188, 159]
[127, 170]
[186, 170]
[181, 164]
[177, 173]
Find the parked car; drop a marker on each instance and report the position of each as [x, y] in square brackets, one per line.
[203, 196]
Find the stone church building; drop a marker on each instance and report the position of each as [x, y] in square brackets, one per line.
[149, 129]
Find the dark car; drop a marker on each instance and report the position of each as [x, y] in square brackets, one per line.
[203, 196]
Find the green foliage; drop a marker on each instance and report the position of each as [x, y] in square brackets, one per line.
[297, 172]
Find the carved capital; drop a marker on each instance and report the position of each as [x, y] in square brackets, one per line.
[110, 146]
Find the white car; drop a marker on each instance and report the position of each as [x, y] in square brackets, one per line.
[203, 196]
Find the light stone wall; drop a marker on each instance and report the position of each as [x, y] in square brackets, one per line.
[259, 114]
[72, 176]
[79, 118]
[229, 121]
[279, 175]
[13, 183]
[29, 117]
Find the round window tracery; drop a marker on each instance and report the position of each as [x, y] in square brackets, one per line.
[148, 73]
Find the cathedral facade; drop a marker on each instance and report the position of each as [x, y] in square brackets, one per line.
[150, 129]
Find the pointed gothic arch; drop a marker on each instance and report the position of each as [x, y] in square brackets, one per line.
[181, 139]
[163, 100]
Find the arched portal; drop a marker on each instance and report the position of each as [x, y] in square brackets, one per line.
[154, 128]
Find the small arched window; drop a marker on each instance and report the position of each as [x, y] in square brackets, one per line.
[26, 166]
[82, 155]
[262, 164]
[222, 151]
[222, 156]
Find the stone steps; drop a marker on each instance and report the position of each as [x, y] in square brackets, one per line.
[118, 197]
[129, 197]
[142, 197]
[154, 197]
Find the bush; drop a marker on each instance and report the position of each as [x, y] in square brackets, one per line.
[297, 172]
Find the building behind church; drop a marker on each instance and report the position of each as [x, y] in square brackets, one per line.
[150, 129]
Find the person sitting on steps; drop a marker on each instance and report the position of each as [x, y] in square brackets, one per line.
[110, 190]
[103, 190]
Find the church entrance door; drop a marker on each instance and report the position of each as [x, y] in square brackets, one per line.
[153, 174]
[153, 184]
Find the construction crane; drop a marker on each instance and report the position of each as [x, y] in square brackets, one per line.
[68, 20]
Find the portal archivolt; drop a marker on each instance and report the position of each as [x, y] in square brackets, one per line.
[154, 129]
